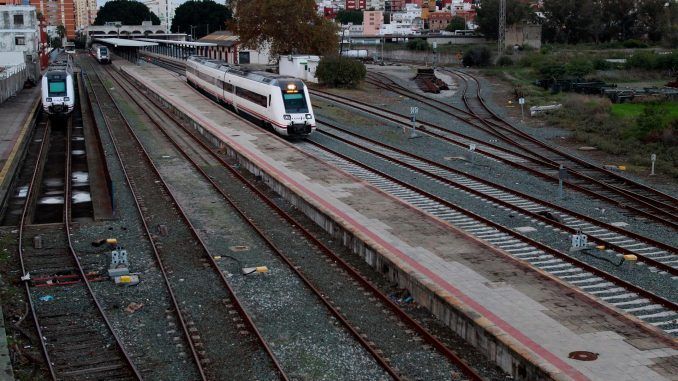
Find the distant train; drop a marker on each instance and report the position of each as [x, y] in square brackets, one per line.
[280, 102]
[69, 47]
[58, 93]
[100, 53]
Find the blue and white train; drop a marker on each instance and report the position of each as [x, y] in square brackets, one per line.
[58, 93]
[101, 53]
[280, 102]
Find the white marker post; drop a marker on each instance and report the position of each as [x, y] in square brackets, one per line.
[413, 113]
[521, 100]
[653, 157]
[472, 149]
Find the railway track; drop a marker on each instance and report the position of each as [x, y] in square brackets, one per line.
[185, 142]
[542, 159]
[207, 337]
[622, 294]
[76, 337]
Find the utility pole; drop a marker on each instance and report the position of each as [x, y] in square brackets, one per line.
[501, 40]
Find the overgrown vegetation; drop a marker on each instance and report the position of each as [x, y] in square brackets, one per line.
[338, 71]
[418, 44]
[478, 56]
[634, 130]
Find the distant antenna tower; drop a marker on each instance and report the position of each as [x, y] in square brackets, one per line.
[502, 27]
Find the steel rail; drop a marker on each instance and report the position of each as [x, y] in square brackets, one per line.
[487, 126]
[22, 225]
[430, 338]
[401, 119]
[71, 249]
[147, 232]
[239, 306]
[381, 360]
[588, 166]
[577, 263]
[652, 262]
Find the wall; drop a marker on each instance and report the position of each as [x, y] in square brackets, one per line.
[302, 67]
[525, 34]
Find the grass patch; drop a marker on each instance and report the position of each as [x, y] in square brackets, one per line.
[634, 110]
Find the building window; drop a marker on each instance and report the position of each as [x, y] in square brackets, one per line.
[18, 20]
[243, 58]
[20, 40]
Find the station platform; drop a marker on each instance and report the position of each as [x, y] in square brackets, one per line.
[526, 321]
[16, 117]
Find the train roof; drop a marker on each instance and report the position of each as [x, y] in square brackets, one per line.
[63, 63]
[254, 75]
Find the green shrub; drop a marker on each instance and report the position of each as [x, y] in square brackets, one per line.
[642, 60]
[418, 44]
[337, 71]
[601, 64]
[552, 70]
[578, 67]
[504, 61]
[478, 56]
[632, 44]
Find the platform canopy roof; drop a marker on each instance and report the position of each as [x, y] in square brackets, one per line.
[172, 42]
[123, 42]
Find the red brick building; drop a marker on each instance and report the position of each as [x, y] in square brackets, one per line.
[439, 20]
[60, 12]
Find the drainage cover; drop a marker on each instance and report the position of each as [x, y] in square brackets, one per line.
[583, 356]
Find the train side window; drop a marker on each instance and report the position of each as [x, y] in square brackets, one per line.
[269, 100]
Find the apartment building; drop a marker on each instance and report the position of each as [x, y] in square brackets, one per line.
[59, 12]
[85, 13]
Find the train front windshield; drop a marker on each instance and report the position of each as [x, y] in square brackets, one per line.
[104, 51]
[295, 102]
[57, 88]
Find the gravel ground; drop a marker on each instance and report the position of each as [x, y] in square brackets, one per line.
[404, 349]
[488, 169]
[210, 314]
[659, 283]
[155, 325]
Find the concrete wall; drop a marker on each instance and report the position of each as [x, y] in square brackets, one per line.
[413, 56]
[302, 67]
[524, 34]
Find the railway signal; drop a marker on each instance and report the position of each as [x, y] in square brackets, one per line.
[653, 157]
[413, 113]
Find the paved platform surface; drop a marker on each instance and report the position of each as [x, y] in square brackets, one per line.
[15, 117]
[533, 314]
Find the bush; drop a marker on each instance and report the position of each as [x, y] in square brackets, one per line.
[552, 70]
[505, 61]
[418, 44]
[601, 64]
[642, 60]
[632, 44]
[340, 71]
[578, 68]
[480, 56]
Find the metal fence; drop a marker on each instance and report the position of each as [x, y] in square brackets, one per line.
[12, 80]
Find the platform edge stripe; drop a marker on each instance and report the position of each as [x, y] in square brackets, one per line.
[470, 304]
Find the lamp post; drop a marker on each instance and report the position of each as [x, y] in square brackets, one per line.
[118, 25]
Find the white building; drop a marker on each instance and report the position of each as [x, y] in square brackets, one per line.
[406, 22]
[164, 9]
[19, 35]
[301, 66]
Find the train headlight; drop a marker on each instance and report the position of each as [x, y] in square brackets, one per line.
[291, 87]
[287, 117]
[67, 99]
[48, 99]
[308, 116]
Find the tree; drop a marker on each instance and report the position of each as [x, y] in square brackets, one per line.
[457, 23]
[487, 16]
[205, 15]
[287, 26]
[55, 42]
[338, 71]
[349, 16]
[127, 12]
[61, 31]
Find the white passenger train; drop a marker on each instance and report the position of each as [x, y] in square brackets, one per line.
[100, 53]
[58, 93]
[278, 101]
